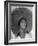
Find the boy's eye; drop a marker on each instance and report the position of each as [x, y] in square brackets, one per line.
[23, 23]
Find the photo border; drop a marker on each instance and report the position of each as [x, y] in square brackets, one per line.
[6, 10]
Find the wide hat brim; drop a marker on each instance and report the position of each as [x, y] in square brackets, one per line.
[16, 15]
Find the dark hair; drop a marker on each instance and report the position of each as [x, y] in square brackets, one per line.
[20, 21]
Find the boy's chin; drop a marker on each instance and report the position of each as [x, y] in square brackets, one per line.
[23, 27]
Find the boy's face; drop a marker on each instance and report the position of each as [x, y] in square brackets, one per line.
[23, 24]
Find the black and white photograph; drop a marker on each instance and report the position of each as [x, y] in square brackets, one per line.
[20, 22]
